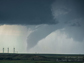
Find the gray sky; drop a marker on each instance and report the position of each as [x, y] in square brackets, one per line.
[28, 12]
[43, 26]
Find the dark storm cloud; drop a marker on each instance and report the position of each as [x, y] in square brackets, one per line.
[26, 12]
[70, 15]
[69, 9]
[71, 12]
[41, 32]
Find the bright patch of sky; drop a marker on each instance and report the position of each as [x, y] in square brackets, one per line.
[13, 36]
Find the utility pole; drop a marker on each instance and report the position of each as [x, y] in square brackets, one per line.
[8, 50]
[3, 50]
[13, 50]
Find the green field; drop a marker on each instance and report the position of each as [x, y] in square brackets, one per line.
[25, 61]
[41, 58]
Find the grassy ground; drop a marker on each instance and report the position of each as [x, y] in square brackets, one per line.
[27, 58]
[25, 61]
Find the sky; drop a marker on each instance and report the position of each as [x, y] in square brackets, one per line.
[42, 26]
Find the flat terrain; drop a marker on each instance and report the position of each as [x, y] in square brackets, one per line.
[41, 58]
[23, 61]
